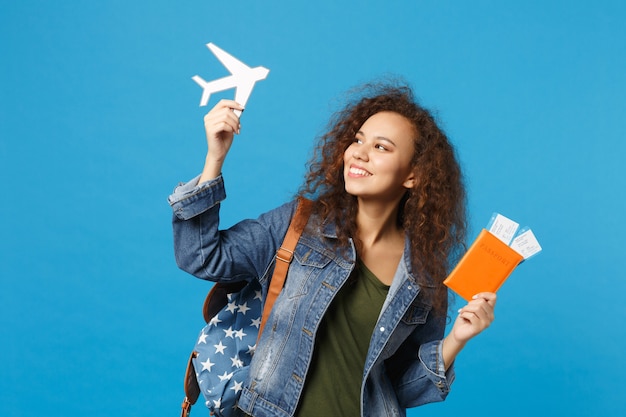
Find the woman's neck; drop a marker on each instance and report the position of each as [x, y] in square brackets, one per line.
[378, 223]
[380, 239]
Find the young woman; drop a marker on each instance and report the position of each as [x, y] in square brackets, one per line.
[358, 329]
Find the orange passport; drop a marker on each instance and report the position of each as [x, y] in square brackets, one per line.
[485, 266]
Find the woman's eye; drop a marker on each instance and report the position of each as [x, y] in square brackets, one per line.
[357, 140]
[381, 147]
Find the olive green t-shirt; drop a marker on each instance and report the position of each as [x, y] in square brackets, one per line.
[333, 383]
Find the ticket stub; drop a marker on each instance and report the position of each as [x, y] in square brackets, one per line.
[526, 244]
[502, 227]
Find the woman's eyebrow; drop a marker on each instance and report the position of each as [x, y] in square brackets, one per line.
[386, 140]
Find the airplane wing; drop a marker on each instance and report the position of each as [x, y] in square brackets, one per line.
[242, 94]
[230, 62]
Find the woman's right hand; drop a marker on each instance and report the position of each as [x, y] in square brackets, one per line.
[220, 125]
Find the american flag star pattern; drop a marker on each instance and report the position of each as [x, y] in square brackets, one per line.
[225, 347]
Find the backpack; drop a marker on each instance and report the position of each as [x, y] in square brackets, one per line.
[235, 315]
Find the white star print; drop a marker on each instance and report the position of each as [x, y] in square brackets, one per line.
[240, 334]
[225, 376]
[232, 307]
[207, 365]
[238, 387]
[215, 320]
[236, 362]
[243, 308]
[229, 332]
[237, 339]
[219, 348]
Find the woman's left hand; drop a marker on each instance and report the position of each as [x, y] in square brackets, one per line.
[475, 317]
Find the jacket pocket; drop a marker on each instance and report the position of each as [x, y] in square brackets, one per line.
[307, 255]
[305, 269]
[417, 313]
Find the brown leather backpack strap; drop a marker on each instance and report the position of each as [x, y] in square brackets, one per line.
[284, 255]
[192, 389]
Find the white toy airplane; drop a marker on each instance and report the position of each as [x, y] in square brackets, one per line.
[242, 78]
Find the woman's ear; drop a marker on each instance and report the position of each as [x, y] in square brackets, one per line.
[410, 181]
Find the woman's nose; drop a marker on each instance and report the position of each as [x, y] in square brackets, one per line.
[360, 153]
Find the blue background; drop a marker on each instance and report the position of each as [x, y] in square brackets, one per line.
[99, 120]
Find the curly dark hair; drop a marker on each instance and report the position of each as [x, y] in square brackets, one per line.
[432, 213]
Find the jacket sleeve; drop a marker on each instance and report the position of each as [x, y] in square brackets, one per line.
[417, 369]
[241, 252]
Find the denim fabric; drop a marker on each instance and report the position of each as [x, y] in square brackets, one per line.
[404, 366]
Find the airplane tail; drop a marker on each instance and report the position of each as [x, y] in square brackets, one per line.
[206, 89]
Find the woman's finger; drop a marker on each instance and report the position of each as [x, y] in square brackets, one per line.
[490, 297]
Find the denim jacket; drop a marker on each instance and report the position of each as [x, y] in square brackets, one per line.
[404, 366]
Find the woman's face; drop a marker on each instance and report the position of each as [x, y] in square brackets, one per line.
[377, 165]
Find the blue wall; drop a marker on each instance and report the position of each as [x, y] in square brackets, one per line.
[99, 120]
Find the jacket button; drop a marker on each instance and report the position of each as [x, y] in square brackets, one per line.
[382, 329]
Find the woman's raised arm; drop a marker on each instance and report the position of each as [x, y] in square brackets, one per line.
[220, 125]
